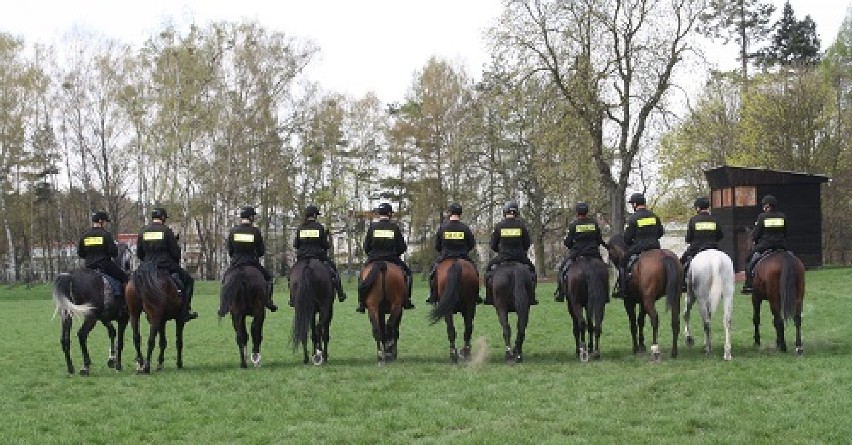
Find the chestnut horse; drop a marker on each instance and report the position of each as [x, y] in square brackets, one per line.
[457, 287]
[779, 278]
[656, 273]
[153, 291]
[384, 285]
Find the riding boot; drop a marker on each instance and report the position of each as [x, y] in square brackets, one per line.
[409, 282]
[222, 309]
[361, 296]
[533, 299]
[749, 275]
[269, 303]
[433, 298]
[188, 313]
[617, 289]
[341, 295]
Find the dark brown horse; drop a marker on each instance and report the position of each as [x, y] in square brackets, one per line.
[312, 289]
[779, 278]
[153, 291]
[512, 286]
[243, 293]
[586, 284]
[655, 274]
[385, 289]
[86, 293]
[457, 285]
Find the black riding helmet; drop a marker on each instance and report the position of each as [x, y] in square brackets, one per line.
[159, 213]
[100, 215]
[769, 200]
[454, 209]
[582, 208]
[637, 198]
[311, 211]
[511, 207]
[384, 209]
[247, 212]
[702, 203]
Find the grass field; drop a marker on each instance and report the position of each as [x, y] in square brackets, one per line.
[762, 396]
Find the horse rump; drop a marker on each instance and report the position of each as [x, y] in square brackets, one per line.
[63, 298]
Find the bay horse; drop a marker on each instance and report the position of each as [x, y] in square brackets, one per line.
[585, 284]
[779, 278]
[383, 283]
[243, 294]
[710, 281]
[88, 294]
[153, 291]
[512, 286]
[656, 273]
[457, 285]
[312, 288]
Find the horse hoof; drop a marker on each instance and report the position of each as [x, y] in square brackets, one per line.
[596, 355]
[584, 355]
[509, 356]
[111, 362]
[160, 367]
[243, 365]
[690, 341]
[118, 366]
[255, 359]
[317, 360]
[179, 365]
[519, 358]
[727, 357]
[84, 372]
[655, 353]
[800, 351]
[466, 352]
[454, 356]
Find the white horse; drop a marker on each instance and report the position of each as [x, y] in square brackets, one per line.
[710, 279]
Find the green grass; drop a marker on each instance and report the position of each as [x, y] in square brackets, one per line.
[762, 396]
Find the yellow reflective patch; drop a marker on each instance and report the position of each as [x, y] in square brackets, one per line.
[706, 225]
[382, 233]
[244, 237]
[309, 233]
[453, 235]
[510, 232]
[153, 236]
[93, 241]
[773, 222]
[583, 228]
[645, 222]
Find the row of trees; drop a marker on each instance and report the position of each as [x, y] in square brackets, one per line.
[208, 119]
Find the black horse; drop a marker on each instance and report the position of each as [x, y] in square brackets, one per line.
[586, 283]
[86, 293]
[243, 294]
[512, 286]
[312, 288]
[154, 291]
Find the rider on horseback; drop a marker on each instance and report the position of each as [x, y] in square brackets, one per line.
[245, 247]
[703, 232]
[157, 243]
[511, 240]
[770, 232]
[584, 237]
[97, 247]
[643, 232]
[311, 241]
[384, 242]
[453, 240]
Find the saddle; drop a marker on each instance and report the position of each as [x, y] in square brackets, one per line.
[178, 283]
[117, 288]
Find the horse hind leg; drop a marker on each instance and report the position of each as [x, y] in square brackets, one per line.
[256, 338]
[468, 333]
[689, 300]
[755, 303]
[797, 320]
[111, 333]
[778, 322]
[65, 342]
[161, 358]
[239, 323]
[82, 337]
[451, 336]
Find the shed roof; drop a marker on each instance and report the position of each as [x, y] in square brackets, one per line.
[728, 176]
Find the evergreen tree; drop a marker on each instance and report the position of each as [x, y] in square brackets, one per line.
[747, 21]
[795, 42]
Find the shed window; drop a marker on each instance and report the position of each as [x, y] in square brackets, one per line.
[745, 196]
[727, 195]
[716, 199]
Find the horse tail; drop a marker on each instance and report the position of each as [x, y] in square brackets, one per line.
[62, 298]
[450, 297]
[673, 279]
[597, 283]
[788, 284]
[232, 287]
[147, 287]
[378, 268]
[519, 277]
[304, 306]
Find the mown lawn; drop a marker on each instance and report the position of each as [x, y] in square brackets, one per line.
[762, 396]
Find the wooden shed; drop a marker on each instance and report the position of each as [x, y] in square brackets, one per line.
[735, 199]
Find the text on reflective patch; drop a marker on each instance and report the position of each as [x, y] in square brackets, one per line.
[383, 233]
[309, 233]
[773, 222]
[243, 237]
[153, 236]
[93, 241]
[453, 235]
[510, 232]
[706, 225]
[582, 228]
[645, 222]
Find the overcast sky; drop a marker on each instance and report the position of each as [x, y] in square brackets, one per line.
[366, 45]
